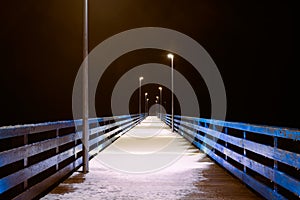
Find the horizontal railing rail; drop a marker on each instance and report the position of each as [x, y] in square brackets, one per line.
[265, 158]
[35, 157]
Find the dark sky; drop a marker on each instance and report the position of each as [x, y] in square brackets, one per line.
[252, 43]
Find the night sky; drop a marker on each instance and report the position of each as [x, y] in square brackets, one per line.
[251, 42]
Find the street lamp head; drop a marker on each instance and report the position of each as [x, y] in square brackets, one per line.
[170, 56]
[160, 88]
[141, 78]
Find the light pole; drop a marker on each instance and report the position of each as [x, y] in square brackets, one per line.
[171, 56]
[160, 97]
[85, 91]
[140, 94]
[156, 106]
[157, 110]
[147, 106]
[146, 102]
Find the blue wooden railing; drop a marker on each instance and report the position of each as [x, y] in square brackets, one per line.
[267, 159]
[35, 157]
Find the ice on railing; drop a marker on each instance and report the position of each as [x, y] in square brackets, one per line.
[35, 125]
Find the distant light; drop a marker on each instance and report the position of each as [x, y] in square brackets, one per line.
[147, 99]
[160, 88]
[157, 97]
[141, 78]
[146, 93]
[170, 56]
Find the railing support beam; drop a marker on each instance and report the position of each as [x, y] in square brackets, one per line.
[275, 163]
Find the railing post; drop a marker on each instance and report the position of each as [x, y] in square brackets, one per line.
[198, 123]
[214, 139]
[226, 132]
[75, 146]
[98, 135]
[245, 152]
[275, 163]
[25, 183]
[57, 149]
[104, 132]
[205, 125]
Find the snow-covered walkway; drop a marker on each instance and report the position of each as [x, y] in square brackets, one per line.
[150, 162]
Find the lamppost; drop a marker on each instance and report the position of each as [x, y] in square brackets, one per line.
[160, 97]
[156, 106]
[147, 106]
[157, 98]
[146, 94]
[140, 94]
[85, 91]
[171, 56]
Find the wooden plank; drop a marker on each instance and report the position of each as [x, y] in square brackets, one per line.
[281, 178]
[106, 127]
[95, 140]
[108, 142]
[104, 119]
[125, 129]
[20, 176]
[26, 151]
[12, 131]
[287, 157]
[51, 126]
[19, 130]
[103, 128]
[20, 153]
[264, 190]
[39, 188]
[95, 120]
[293, 134]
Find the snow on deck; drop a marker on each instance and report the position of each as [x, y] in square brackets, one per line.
[148, 162]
